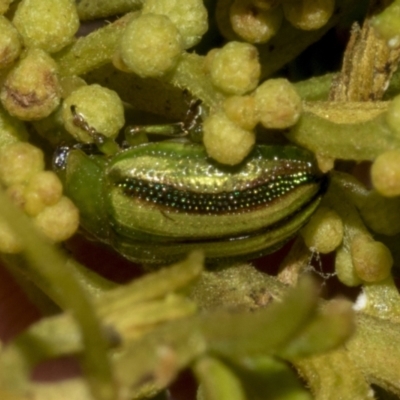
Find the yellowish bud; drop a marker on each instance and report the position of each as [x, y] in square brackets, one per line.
[189, 16]
[345, 269]
[278, 104]
[372, 260]
[43, 189]
[255, 25]
[19, 162]
[235, 68]
[242, 111]
[10, 45]
[151, 45]
[308, 14]
[324, 231]
[225, 141]
[385, 173]
[59, 221]
[50, 25]
[100, 108]
[31, 90]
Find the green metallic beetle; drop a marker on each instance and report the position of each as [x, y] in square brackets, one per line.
[155, 202]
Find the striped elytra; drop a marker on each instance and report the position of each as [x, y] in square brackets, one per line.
[156, 202]
[174, 197]
[173, 194]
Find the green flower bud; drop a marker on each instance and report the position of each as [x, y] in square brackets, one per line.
[387, 24]
[308, 14]
[19, 162]
[252, 24]
[242, 111]
[10, 45]
[278, 104]
[151, 45]
[324, 231]
[189, 16]
[31, 90]
[235, 68]
[385, 173]
[48, 24]
[43, 189]
[345, 269]
[372, 260]
[101, 109]
[225, 141]
[59, 221]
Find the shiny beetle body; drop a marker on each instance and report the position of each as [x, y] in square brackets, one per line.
[155, 202]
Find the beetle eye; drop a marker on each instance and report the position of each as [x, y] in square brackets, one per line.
[60, 156]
